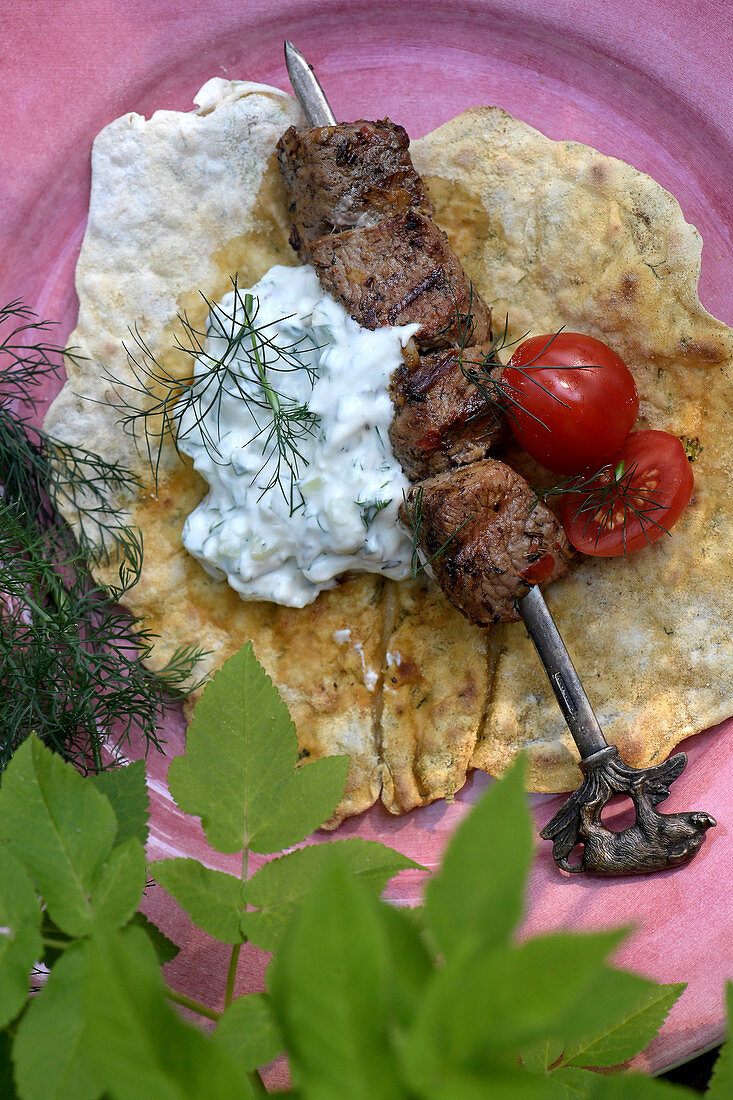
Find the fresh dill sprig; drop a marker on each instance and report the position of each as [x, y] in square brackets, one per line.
[44, 474]
[370, 509]
[499, 396]
[24, 365]
[70, 659]
[415, 517]
[610, 497]
[246, 367]
[482, 373]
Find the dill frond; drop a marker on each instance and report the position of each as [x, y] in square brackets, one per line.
[370, 509]
[609, 497]
[165, 406]
[70, 658]
[415, 517]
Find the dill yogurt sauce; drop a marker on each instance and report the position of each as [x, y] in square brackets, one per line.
[288, 424]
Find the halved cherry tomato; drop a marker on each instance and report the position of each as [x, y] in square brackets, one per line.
[634, 501]
[572, 401]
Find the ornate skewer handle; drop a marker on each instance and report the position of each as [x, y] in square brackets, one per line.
[655, 841]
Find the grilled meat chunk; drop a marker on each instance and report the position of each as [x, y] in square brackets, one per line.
[401, 271]
[491, 543]
[348, 176]
[441, 417]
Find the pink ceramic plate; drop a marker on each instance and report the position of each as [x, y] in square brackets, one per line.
[647, 81]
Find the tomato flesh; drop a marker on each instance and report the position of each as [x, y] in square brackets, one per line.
[572, 401]
[632, 502]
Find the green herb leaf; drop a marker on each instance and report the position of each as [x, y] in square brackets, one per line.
[212, 899]
[575, 1083]
[249, 1031]
[479, 889]
[7, 1082]
[118, 888]
[625, 1014]
[136, 1043]
[721, 1082]
[20, 937]
[238, 774]
[127, 792]
[51, 1041]
[621, 1086]
[499, 1082]
[485, 1003]
[60, 828]
[411, 964]
[165, 949]
[541, 1055]
[331, 984]
[281, 885]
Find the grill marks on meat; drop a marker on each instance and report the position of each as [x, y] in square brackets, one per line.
[362, 216]
[348, 176]
[491, 537]
[441, 418]
[402, 271]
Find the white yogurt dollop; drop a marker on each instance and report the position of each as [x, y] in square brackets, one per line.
[285, 532]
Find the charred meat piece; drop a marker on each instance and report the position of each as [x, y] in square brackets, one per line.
[348, 176]
[441, 417]
[491, 539]
[400, 271]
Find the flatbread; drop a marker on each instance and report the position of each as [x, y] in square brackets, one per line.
[552, 234]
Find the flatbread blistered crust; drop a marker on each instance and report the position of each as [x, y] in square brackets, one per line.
[552, 234]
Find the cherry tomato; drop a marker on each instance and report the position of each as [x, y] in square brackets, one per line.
[633, 501]
[572, 401]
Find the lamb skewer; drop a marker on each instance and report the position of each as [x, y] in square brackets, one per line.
[460, 499]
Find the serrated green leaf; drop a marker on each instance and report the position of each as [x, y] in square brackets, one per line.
[485, 1003]
[300, 803]
[623, 1017]
[249, 1030]
[498, 1083]
[51, 931]
[137, 1044]
[411, 965]
[119, 886]
[281, 885]
[331, 986]
[539, 1056]
[60, 828]
[622, 1086]
[165, 949]
[576, 1083]
[479, 888]
[127, 791]
[50, 1046]
[20, 936]
[7, 1081]
[212, 899]
[721, 1082]
[239, 768]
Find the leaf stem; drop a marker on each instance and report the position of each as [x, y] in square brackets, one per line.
[231, 975]
[57, 945]
[194, 1006]
[258, 1085]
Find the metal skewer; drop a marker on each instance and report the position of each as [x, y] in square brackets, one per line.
[308, 91]
[655, 841]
